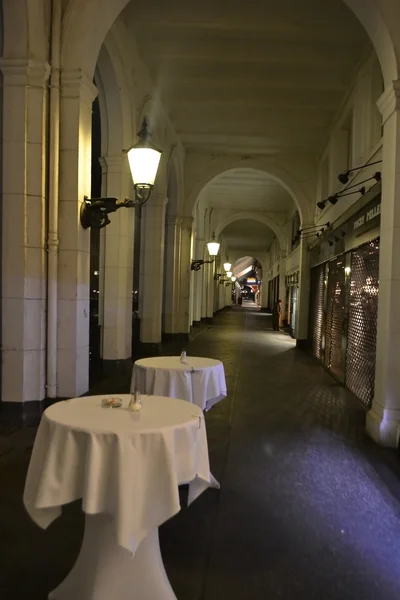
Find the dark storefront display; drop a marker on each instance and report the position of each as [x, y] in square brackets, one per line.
[273, 292]
[344, 307]
[292, 286]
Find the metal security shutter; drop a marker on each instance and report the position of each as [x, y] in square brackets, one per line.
[316, 309]
[335, 317]
[363, 312]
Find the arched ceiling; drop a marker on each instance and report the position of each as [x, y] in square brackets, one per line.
[238, 188]
[247, 235]
[262, 76]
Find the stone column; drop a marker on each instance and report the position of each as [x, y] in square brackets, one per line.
[264, 293]
[210, 290]
[152, 271]
[77, 95]
[23, 230]
[282, 288]
[384, 417]
[198, 283]
[185, 239]
[303, 298]
[117, 276]
[205, 283]
[171, 275]
[228, 295]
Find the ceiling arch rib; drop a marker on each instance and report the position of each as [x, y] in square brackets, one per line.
[254, 170]
[252, 220]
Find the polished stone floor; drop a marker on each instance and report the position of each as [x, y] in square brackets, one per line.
[309, 508]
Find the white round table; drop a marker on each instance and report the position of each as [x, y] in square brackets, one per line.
[200, 381]
[126, 467]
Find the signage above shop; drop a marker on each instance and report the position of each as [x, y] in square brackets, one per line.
[369, 215]
[360, 228]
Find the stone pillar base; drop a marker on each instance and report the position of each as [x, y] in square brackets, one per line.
[196, 324]
[176, 337]
[303, 344]
[384, 429]
[117, 367]
[147, 349]
[14, 415]
[207, 320]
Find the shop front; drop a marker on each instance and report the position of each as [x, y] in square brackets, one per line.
[344, 300]
[292, 287]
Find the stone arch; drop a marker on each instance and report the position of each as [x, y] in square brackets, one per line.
[372, 20]
[124, 101]
[175, 181]
[81, 42]
[274, 172]
[259, 217]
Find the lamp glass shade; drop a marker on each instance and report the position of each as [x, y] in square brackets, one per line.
[227, 266]
[229, 273]
[213, 248]
[143, 163]
[233, 279]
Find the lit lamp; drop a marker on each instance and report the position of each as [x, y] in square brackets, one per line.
[227, 266]
[233, 279]
[144, 160]
[213, 249]
[229, 274]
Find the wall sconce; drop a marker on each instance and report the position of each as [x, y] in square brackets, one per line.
[229, 274]
[213, 249]
[233, 279]
[144, 160]
[227, 266]
[333, 199]
[344, 177]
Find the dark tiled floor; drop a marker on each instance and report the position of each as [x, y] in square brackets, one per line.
[309, 508]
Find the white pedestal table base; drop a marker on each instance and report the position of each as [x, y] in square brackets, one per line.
[105, 570]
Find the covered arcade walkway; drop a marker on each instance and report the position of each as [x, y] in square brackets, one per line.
[308, 507]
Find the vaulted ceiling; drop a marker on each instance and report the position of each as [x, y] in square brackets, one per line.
[248, 236]
[262, 76]
[247, 189]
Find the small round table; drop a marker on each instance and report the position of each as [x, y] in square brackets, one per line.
[126, 467]
[200, 381]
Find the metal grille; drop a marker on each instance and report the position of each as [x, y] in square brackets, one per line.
[335, 316]
[363, 312]
[316, 309]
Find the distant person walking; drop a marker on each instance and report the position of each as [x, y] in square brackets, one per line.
[276, 315]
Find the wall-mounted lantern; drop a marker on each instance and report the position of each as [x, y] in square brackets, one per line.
[144, 159]
[213, 249]
[227, 266]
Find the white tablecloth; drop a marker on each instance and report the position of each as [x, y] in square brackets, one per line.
[127, 465]
[201, 381]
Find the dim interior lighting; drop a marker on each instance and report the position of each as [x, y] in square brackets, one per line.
[227, 266]
[144, 160]
[229, 274]
[213, 249]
